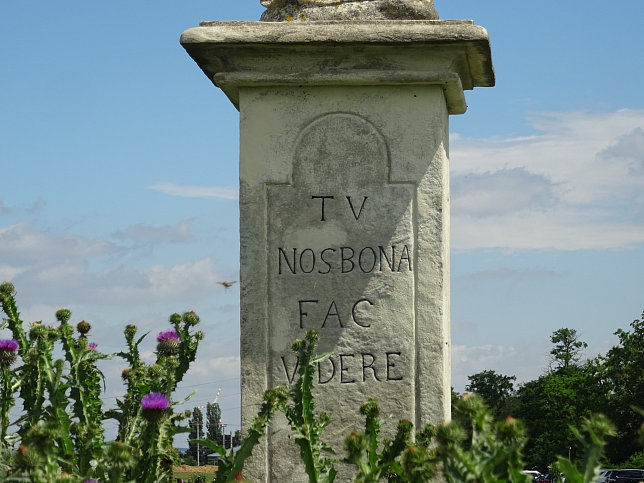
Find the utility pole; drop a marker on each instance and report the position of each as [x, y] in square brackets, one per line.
[223, 433]
[197, 423]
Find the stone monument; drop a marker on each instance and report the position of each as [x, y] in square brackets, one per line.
[344, 202]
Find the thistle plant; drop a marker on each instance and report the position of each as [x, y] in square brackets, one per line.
[305, 425]
[59, 432]
[146, 423]
[592, 436]
[482, 451]
[362, 448]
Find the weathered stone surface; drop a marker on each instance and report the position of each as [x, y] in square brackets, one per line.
[344, 226]
[344, 211]
[452, 53]
[302, 10]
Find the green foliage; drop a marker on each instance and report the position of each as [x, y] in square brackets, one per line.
[231, 463]
[198, 452]
[362, 448]
[213, 423]
[306, 426]
[548, 407]
[495, 389]
[567, 349]
[60, 433]
[592, 438]
[624, 389]
[483, 451]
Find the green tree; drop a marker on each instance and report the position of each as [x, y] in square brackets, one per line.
[237, 438]
[213, 423]
[549, 406]
[495, 389]
[567, 349]
[624, 378]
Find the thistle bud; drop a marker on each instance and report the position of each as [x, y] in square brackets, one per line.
[7, 288]
[83, 327]
[63, 315]
[130, 331]
[191, 318]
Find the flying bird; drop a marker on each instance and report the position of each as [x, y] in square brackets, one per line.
[227, 285]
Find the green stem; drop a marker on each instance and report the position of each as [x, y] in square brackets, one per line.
[6, 401]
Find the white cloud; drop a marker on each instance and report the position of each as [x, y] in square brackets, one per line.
[577, 184]
[71, 269]
[503, 191]
[527, 361]
[184, 282]
[141, 233]
[21, 243]
[192, 191]
[205, 368]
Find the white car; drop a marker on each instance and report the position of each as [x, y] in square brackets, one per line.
[532, 473]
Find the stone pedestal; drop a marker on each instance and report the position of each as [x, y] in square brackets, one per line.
[344, 201]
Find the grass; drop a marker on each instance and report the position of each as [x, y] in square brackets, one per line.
[188, 473]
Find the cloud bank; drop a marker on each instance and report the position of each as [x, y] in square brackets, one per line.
[192, 191]
[578, 184]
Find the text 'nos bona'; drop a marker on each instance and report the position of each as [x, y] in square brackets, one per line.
[344, 260]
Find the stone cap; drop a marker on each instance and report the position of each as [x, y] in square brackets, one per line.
[452, 53]
[305, 10]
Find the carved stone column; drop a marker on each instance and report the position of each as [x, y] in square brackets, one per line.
[344, 206]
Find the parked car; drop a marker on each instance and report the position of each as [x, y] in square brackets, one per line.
[626, 476]
[532, 473]
[548, 478]
[604, 475]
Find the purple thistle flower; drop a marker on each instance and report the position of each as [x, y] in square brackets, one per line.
[168, 335]
[8, 348]
[168, 343]
[155, 401]
[8, 345]
[92, 346]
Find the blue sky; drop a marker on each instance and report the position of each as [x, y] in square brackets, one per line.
[118, 178]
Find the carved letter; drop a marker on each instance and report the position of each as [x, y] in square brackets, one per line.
[292, 376]
[345, 369]
[389, 262]
[361, 207]
[332, 314]
[353, 311]
[320, 371]
[404, 256]
[304, 314]
[391, 364]
[323, 198]
[328, 265]
[312, 260]
[281, 254]
[347, 259]
[373, 263]
[366, 366]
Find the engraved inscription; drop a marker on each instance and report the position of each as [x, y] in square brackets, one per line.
[351, 368]
[333, 316]
[344, 259]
